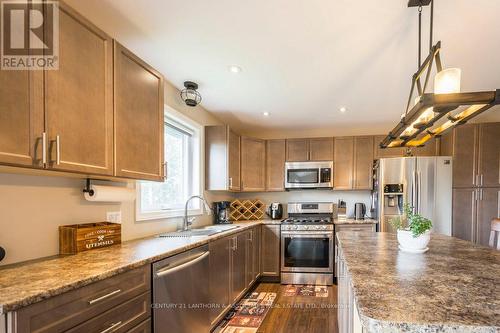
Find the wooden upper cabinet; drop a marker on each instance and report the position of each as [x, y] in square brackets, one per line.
[222, 159]
[343, 163]
[321, 149]
[139, 118]
[465, 140]
[234, 165]
[275, 165]
[363, 163]
[297, 150]
[79, 98]
[385, 152]
[489, 155]
[21, 117]
[253, 164]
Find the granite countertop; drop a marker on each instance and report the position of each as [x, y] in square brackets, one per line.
[353, 221]
[24, 284]
[454, 287]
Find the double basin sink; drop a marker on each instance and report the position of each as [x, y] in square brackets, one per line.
[206, 231]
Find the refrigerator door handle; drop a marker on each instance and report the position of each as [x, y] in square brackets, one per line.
[414, 192]
[419, 194]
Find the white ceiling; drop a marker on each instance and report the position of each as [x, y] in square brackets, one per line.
[302, 60]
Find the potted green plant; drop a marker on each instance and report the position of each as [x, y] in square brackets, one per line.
[413, 230]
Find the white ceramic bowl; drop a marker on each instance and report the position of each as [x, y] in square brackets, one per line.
[408, 242]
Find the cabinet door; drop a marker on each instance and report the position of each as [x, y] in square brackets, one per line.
[343, 163]
[139, 118]
[234, 159]
[21, 117]
[275, 165]
[430, 149]
[238, 266]
[79, 98]
[386, 152]
[249, 274]
[488, 208]
[253, 164]
[257, 251]
[270, 260]
[219, 277]
[464, 214]
[297, 150]
[489, 155]
[363, 162]
[321, 149]
[465, 155]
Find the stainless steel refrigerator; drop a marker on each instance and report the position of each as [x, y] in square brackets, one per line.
[423, 182]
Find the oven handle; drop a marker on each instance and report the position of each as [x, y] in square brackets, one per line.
[305, 234]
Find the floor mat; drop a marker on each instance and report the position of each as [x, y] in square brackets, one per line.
[248, 314]
[305, 290]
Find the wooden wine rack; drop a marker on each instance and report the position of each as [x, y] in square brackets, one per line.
[247, 210]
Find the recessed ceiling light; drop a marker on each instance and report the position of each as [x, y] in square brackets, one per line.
[234, 69]
[343, 109]
[266, 114]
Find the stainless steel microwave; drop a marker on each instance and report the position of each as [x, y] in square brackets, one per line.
[308, 175]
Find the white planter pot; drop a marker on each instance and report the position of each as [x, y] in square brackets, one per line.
[413, 244]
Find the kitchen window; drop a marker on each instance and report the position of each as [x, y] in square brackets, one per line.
[184, 164]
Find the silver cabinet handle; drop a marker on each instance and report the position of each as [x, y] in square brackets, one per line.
[44, 148]
[112, 327]
[251, 236]
[481, 179]
[105, 296]
[235, 244]
[58, 150]
[230, 183]
[165, 172]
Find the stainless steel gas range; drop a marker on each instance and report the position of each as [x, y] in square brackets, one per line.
[307, 244]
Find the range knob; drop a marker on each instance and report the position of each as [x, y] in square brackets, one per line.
[306, 227]
[316, 227]
[295, 227]
[324, 227]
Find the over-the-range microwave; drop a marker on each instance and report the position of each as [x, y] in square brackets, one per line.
[304, 175]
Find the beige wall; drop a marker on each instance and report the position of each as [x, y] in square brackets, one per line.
[33, 206]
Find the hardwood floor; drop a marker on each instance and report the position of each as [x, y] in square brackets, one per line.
[299, 313]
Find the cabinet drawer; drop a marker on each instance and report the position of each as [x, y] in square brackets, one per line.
[144, 327]
[119, 319]
[72, 308]
[355, 227]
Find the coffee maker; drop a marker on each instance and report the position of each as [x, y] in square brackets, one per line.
[275, 211]
[221, 212]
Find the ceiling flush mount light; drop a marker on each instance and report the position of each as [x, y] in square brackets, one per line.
[343, 109]
[435, 113]
[266, 114]
[235, 69]
[190, 95]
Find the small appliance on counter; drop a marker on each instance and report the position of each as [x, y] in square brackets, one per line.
[342, 210]
[359, 211]
[221, 212]
[275, 211]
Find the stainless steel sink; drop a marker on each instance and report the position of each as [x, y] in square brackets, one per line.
[207, 231]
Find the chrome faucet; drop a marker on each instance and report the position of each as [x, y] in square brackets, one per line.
[186, 225]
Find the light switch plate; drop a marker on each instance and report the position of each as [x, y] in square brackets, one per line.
[115, 217]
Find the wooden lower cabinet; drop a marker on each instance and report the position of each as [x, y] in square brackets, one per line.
[234, 268]
[144, 327]
[270, 256]
[125, 298]
[473, 210]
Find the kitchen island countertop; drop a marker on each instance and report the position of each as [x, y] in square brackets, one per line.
[55, 275]
[454, 287]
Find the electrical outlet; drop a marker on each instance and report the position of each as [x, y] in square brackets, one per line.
[115, 217]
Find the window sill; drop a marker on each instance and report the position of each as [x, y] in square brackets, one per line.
[168, 214]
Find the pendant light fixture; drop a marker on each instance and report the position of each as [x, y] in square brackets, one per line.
[190, 95]
[432, 114]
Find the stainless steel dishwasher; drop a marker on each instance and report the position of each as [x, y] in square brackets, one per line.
[180, 293]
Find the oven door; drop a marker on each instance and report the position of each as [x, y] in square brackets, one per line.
[307, 252]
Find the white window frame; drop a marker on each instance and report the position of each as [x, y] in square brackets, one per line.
[175, 213]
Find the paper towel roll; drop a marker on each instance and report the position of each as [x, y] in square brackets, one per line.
[110, 194]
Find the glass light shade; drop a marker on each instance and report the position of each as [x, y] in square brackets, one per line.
[447, 81]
